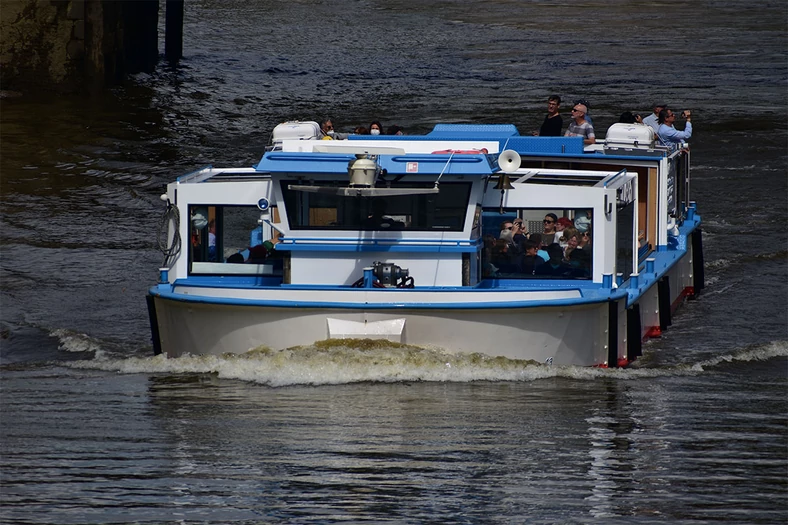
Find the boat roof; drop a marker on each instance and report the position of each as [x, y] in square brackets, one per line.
[449, 148]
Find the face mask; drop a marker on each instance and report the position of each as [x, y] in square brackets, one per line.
[374, 132]
[330, 132]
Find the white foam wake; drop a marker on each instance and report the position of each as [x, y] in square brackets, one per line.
[329, 364]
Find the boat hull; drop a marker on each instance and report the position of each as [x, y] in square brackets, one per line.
[576, 335]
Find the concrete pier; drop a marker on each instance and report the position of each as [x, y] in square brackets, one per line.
[75, 45]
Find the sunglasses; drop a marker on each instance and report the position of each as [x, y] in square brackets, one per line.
[546, 221]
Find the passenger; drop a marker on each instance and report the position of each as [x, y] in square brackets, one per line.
[549, 235]
[562, 224]
[235, 258]
[489, 269]
[328, 132]
[395, 130]
[628, 118]
[572, 239]
[580, 263]
[506, 232]
[584, 240]
[260, 253]
[653, 119]
[669, 135]
[588, 110]
[531, 259]
[555, 266]
[361, 130]
[580, 127]
[212, 255]
[327, 129]
[377, 218]
[551, 127]
[537, 238]
[519, 236]
[375, 128]
[502, 258]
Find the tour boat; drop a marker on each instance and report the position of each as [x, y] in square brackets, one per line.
[400, 238]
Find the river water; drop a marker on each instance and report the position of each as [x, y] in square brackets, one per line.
[96, 430]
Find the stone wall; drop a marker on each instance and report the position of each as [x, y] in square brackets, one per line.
[75, 45]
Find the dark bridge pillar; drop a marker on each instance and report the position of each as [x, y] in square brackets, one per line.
[173, 31]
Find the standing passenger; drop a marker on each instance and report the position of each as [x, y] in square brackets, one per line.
[579, 127]
[653, 119]
[669, 135]
[551, 127]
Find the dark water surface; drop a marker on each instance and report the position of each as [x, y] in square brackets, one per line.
[94, 430]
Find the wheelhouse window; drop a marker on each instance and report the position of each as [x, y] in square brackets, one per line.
[537, 243]
[231, 240]
[443, 211]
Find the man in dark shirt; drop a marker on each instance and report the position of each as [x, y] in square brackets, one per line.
[551, 127]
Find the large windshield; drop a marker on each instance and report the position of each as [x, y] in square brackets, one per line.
[445, 210]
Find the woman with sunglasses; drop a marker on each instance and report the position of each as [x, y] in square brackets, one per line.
[550, 233]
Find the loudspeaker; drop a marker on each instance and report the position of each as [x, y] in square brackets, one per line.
[509, 161]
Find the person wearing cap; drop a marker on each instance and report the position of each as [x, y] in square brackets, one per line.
[580, 127]
[653, 119]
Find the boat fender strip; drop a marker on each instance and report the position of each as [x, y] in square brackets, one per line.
[154, 325]
[698, 272]
[634, 341]
[612, 335]
[663, 290]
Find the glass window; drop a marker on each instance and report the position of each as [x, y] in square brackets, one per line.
[537, 243]
[444, 210]
[230, 240]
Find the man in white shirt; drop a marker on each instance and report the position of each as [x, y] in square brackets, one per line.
[653, 119]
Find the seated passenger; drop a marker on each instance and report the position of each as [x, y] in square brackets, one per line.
[537, 238]
[580, 263]
[585, 240]
[555, 267]
[572, 239]
[375, 128]
[549, 236]
[531, 259]
[560, 226]
[502, 258]
[235, 258]
[262, 252]
[377, 218]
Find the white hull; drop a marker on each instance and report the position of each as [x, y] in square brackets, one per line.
[562, 335]
[569, 335]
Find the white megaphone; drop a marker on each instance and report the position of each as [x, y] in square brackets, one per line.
[509, 161]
